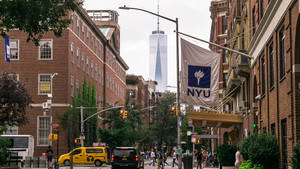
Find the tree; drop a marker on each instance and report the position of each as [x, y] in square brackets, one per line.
[14, 98]
[164, 129]
[4, 143]
[35, 17]
[71, 120]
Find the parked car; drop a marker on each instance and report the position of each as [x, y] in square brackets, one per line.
[85, 155]
[127, 157]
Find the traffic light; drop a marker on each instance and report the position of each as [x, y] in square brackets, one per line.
[254, 125]
[53, 137]
[77, 141]
[197, 141]
[122, 113]
[125, 114]
[173, 110]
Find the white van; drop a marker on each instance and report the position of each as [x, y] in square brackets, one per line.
[23, 145]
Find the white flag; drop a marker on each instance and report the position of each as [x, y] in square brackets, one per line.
[200, 75]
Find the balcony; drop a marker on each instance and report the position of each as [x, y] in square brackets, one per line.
[243, 67]
[233, 80]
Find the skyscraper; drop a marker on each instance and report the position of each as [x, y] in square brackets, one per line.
[158, 58]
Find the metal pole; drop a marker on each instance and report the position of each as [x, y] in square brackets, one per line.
[193, 130]
[81, 126]
[178, 96]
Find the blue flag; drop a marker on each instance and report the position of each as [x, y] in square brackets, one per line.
[7, 49]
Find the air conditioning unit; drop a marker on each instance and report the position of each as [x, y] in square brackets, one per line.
[254, 105]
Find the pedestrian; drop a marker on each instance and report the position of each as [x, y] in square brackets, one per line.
[238, 158]
[152, 156]
[165, 157]
[174, 159]
[49, 157]
[199, 158]
[160, 160]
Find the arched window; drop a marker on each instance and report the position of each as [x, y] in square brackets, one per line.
[45, 50]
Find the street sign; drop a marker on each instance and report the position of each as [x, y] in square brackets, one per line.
[82, 137]
[193, 139]
[178, 151]
[206, 136]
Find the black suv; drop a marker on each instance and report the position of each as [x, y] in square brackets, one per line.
[126, 157]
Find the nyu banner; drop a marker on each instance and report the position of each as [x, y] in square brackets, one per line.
[199, 75]
[7, 49]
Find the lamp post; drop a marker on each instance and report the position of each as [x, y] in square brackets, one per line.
[178, 83]
[49, 102]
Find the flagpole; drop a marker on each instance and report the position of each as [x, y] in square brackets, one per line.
[220, 46]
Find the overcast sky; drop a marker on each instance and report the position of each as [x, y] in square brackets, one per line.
[136, 26]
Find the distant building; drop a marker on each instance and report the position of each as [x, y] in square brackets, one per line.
[159, 60]
[141, 95]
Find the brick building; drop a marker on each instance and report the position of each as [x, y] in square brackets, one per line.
[142, 94]
[268, 85]
[85, 50]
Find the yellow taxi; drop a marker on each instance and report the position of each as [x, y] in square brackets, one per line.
[85, 155]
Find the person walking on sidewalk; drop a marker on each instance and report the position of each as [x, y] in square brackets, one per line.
[199, 159]
[49, 157]
[238, 158]
[174, 159]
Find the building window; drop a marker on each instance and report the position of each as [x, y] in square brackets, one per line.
[273, 129]
[45, 50]
[92, 69]
[92, 43]
[271, 65]
[72, 53]
[72, 20]
[43, 127]
[45, 84]
[88, 38]
[82, 62]
[14, 76]
[87, 65]
[224, 25]
[263, 82]
[77, 85]
[78, 27]
[282, 53]
[78, 57]
[82, 29]
[11, 130]
[132, 94]
[14, 49]
[261, 9]
[72, 86]
[253, 20]
[96, 72]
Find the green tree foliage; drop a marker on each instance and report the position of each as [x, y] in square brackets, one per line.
[4, 143]
[164, 129]
[226, 154]
[14, 98]
[261, 149]
[35, 17]
[296, 157]
[71, 120]
[249, 165]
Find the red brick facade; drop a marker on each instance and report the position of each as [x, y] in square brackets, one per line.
[95, 58]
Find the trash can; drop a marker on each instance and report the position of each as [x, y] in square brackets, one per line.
[187, 160]
[28, 162]
[42, 162]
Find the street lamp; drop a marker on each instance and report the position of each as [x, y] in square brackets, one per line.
[177, 67]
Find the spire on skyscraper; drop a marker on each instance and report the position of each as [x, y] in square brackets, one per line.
[158, 16]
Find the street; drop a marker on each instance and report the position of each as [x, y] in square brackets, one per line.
[146, 166]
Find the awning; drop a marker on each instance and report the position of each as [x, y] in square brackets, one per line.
[214, 119]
